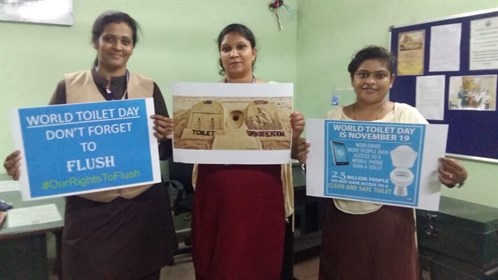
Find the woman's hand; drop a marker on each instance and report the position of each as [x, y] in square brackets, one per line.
[451, 172]
[163, 127]
[12, 165]
[300, 150]
[297, 124]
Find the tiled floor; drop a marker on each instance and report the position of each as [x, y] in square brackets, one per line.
[184, 270]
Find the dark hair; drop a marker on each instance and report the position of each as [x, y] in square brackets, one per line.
[243, 30]
[371, 52]
[108, 17]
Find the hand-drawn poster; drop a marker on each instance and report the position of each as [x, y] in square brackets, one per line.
[473, 93]
[232, 123]
[384, 163]
[411, 53]
[86, 147]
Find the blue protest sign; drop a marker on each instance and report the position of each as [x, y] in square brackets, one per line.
[86, 147]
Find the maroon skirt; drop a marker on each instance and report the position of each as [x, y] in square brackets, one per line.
[375, 246]
[238, 222]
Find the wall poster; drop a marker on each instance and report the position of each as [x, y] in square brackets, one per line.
[59, 12]
[411, 53]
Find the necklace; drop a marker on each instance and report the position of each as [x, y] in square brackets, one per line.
[109, 91]
[378, 114]
[252, 81]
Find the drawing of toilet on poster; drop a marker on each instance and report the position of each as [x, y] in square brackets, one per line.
[383, 163]
[232, 123]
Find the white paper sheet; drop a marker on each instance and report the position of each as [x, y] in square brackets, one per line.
[9, 185]
[26, 216]
[484, 44]
[429, 98]
[445, 47]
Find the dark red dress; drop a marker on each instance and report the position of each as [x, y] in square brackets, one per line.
[238, 222]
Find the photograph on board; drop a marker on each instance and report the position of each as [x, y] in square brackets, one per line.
[473, 93]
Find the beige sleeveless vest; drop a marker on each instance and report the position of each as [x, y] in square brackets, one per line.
[80, 87]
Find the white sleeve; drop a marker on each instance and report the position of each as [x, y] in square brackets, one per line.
[408, 114]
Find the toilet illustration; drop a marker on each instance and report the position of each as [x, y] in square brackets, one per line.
[403, 157]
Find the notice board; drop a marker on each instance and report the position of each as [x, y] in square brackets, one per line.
[453, 62]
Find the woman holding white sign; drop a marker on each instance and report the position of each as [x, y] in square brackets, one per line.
[116, 234]
[239, 214]
[364, 240]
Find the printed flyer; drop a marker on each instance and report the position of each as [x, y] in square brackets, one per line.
[86, 147]
[383, 163]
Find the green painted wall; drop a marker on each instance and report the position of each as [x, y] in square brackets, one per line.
[329, 32]
[178, 44]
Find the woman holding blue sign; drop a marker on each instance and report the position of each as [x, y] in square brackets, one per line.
[116, 234]
[369, 241]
